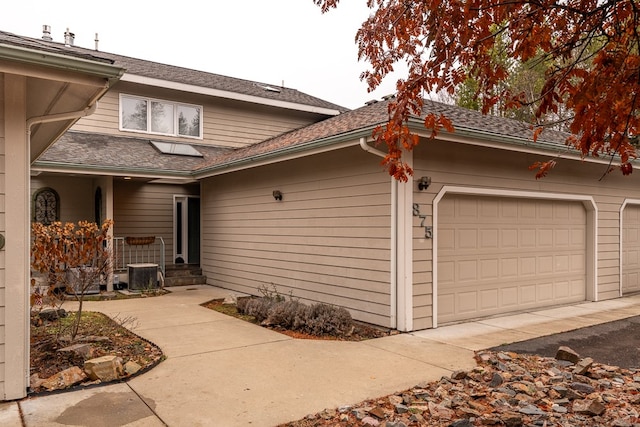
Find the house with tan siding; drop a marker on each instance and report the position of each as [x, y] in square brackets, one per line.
[263, 186]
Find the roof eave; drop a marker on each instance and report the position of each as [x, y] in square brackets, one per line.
[62, 62]
[315, 146]
[60, 167]
[505, 142]
[150, 81]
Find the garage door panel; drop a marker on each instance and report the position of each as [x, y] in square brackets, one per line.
[631, 250]
[508, 255]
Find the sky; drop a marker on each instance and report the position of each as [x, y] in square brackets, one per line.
[268, 41]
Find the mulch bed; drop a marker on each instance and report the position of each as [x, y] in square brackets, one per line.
[106, 337]
[361, 331]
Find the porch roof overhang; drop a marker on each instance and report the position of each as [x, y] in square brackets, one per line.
[56, 84]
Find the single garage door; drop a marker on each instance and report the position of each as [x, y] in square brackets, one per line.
[498, 255]
[631, 249]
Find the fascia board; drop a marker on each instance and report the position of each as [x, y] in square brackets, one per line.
[41, 166]
[150, 81]
[503, 142]
[61, 62]
[312, 147]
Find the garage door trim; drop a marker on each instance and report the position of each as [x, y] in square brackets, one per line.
[626, 202]
[591, 227]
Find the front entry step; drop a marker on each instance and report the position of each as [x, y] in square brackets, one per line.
[184, 275]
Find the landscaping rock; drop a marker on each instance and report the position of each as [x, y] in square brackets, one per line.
[565, 353]
[64, 379]
[105, 368]
[583, 366]
[510, 390]
[131, 368]
[50, 314]
[588, 407]
[83, 350]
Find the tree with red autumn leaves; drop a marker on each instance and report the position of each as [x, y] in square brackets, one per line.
[590, 48]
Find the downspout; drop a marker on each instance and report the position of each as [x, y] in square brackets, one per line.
[393, 315]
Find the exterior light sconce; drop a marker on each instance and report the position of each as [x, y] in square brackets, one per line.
[277, 194]
[424, 183]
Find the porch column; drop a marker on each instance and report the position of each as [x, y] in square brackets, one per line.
[404, 252]
[16, 228]
[106, 184]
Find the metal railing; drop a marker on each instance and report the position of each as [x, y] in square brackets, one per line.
[134, 250]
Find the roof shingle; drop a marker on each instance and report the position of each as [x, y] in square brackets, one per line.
[174, 73]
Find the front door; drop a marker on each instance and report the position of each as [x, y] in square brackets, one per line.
[186, 229]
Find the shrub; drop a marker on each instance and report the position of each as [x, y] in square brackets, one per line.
[256, 307]
[286, 314]
[272, 309]
[323, 319]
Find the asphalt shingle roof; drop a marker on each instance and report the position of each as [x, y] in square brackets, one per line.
[377, 113]
[173, 73]
[109, 151]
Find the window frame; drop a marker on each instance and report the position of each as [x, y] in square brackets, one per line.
[175, 105]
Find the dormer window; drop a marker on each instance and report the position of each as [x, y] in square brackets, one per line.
[138, 114]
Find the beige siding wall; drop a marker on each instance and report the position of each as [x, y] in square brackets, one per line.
[225, 123]
[76, 196]
[328, 240]
[3, 299]
[463, 165]
[142, 209]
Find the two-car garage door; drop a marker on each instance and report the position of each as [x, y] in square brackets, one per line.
[498, 255]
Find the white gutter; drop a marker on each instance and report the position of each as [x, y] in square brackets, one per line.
[393, 297]
[59, 117]
[369, 149]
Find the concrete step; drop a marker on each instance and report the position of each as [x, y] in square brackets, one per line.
[185, 280]
[182, 272]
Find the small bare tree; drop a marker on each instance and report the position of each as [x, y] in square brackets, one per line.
[72, 257]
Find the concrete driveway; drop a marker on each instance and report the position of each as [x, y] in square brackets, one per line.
[221, 371]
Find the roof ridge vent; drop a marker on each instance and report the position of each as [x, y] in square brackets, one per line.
[371, 102]
[388, 97]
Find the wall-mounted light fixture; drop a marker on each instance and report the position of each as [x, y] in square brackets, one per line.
[277, 194]
[424, 183]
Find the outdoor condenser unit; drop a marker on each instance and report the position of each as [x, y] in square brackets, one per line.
[143, 276]
[73, 279]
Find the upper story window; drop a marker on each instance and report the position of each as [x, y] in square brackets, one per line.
[160, 117]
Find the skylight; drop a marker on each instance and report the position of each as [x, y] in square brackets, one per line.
[176, 149]
[268, 88]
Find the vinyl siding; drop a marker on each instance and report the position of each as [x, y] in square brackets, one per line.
[226, 123]
[76, 196]
[142, 209]
[464, 165]
[327, 241]
[3, 348]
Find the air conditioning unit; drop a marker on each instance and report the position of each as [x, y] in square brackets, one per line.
[73, 280]
[143, 276]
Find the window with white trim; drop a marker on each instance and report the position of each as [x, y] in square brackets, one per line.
[160, 117]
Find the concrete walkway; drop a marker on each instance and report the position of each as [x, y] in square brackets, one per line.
[221, 371]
